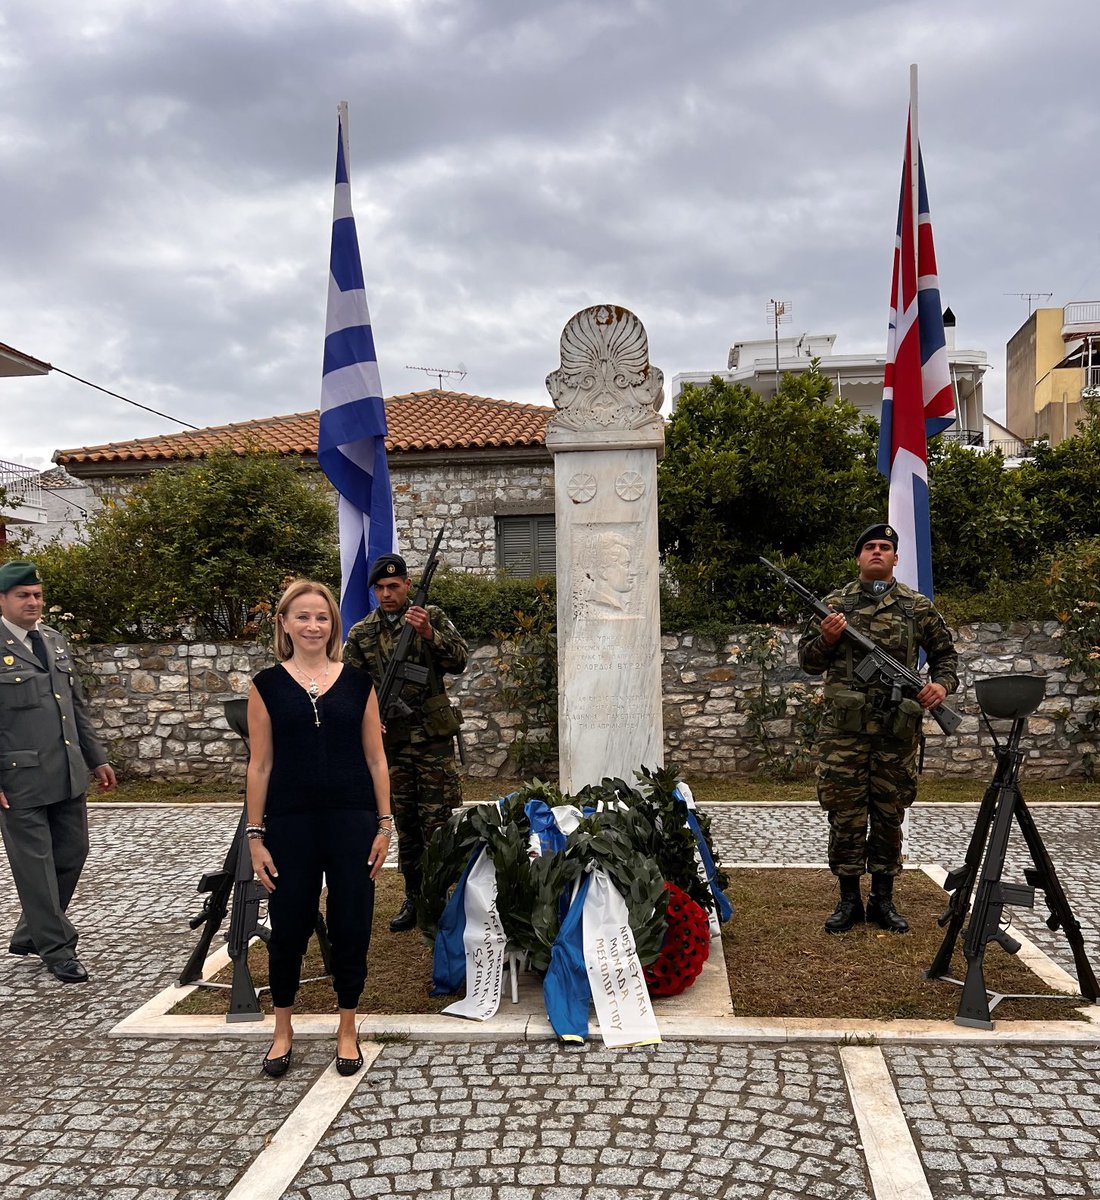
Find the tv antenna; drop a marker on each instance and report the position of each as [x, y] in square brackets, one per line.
[458, 373]
[1029, 297]
[779, 312]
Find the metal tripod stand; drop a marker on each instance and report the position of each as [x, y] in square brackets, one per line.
[1011, 697]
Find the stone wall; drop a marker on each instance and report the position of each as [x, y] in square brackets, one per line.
[160, 707]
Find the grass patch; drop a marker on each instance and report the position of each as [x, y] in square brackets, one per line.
[779, 960]
[706, 789]
[782, 963]
[174, 791]
[399, 969]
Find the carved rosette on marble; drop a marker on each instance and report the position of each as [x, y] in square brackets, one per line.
[605, 387]
[606, 437]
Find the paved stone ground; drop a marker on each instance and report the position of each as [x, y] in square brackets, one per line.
[84, 1116]
[538, 1121]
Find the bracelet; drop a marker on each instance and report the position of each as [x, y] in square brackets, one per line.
[386, 833]
[254, 835]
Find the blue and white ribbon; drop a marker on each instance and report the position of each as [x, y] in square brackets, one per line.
[723, 910]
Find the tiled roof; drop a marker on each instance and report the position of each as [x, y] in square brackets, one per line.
[58, 478]
[432, 420]
[15, 362]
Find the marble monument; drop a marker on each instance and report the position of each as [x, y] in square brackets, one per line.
[606, 437]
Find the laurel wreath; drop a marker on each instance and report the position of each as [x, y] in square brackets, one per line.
[637, 835]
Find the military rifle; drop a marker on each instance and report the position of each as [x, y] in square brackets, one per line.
[875, 661]
[399, 671]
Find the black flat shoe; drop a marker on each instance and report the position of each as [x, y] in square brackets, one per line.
[349, 1066]
[277, 1067]
[69, 970]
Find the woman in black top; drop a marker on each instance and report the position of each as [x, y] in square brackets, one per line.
[318, 799]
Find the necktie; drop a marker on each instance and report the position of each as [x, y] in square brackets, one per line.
[39, 648]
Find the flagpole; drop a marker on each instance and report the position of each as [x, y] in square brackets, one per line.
[914, 165]
[342, 117]
[914, 208]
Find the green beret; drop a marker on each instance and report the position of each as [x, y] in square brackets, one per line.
[387, 566]
[877, 533]
[17, 573]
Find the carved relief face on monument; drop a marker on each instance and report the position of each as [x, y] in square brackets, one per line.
[609, 575]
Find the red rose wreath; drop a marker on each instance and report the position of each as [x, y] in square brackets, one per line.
[685, 948]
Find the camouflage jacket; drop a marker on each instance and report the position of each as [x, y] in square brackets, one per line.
[371, 643]
[900, 621]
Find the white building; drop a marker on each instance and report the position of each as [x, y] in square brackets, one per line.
[20, 490]
[855, 377]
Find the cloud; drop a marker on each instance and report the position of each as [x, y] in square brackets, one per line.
[168, 185]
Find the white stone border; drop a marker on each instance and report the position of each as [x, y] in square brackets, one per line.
[678, 1021]
[277, 1165]
[887, 1143]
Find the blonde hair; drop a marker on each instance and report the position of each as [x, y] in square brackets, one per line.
[284, 648]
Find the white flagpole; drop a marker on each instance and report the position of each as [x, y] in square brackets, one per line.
[342, 114]
[914, 162]
[914, 203]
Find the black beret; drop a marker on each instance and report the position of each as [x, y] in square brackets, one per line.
[17, 573]
[885, 533]
[388, 566]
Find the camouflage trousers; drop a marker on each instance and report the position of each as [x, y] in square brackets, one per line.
[424, 790]
[865, 782]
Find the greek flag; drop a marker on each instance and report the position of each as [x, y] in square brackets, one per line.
[351, 445]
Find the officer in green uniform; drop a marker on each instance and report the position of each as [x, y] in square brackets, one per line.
[47, 748]
[419, 742]
[867, 745]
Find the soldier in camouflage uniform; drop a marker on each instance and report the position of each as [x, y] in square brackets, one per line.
[419, 744]
[867, 745]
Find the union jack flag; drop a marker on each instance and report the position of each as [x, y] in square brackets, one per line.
[917, 398]
[351, 441]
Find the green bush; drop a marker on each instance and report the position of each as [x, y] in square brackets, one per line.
[207, 546]
[1075, 591]
[1000, 602]
[482, 605]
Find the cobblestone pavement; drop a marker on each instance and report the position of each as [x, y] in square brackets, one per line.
[538, 1121]
[84, 1116]
[1004, 1122]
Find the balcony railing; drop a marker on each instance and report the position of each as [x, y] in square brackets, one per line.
[1012, 447]
[1080, 316]
[1092, 382]
[20, 492]
[964, 437]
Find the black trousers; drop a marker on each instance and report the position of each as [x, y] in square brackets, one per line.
[306, 846]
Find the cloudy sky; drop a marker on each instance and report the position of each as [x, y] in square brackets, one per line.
[168, 180]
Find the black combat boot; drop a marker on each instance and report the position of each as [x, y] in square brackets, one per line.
[406, 916]
[880, 907]
[849, 911]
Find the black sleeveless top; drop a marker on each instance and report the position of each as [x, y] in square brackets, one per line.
[317, 766]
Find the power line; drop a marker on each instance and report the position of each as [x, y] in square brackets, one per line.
[124, 399]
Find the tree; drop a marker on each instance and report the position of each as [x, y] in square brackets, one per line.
[983, 525]
[205, 545]
[792, 476]
[1063, 483]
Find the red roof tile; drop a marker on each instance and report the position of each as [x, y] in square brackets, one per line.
[432, 420]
